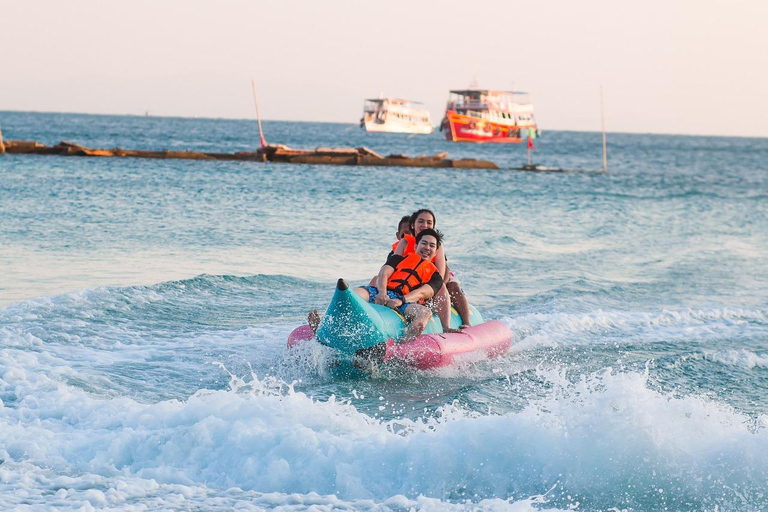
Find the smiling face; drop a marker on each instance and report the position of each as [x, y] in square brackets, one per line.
[425, 220]
[427, 247]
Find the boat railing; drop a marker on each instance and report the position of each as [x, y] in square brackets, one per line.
[506, 102]
[476, 105]
[471, 105]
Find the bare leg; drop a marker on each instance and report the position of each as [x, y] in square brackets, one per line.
[460, 302]
[443, 303]
[363, 293]
[419, 317]
[313, 319]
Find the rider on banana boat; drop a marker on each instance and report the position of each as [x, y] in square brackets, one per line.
[405, 282]
[451, 292]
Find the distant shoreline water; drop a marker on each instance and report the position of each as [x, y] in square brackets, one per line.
[356, 123]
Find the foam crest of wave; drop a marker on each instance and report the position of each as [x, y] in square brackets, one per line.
[605, 440]
[200, 291]
[742, 358]
[553, 329]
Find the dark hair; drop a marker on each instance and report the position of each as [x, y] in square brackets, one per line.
[405, 220]
[431, 232]
[414, 216]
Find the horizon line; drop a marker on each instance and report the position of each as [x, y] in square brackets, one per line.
[357, 122]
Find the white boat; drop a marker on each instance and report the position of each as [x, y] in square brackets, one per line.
[392, 115]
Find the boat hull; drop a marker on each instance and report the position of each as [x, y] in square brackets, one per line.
[371, 126]
[483, 341]
[355, 328]
[351, 324]
[464, 128]
[432, 351]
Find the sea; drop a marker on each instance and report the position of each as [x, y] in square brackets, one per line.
[145, 307]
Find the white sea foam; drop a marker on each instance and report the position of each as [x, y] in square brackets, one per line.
[78, 440]
[554, 329]
[742, 358]
[606, 438]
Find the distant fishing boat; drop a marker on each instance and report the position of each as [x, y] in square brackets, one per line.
[392, 115]
[485, 115]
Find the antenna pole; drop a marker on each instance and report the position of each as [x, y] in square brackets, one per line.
[258, 115]
[602, 123]
[529, 151]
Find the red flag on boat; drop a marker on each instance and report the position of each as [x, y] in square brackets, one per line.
[530, 143]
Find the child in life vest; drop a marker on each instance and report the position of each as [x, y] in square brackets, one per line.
[403, 228]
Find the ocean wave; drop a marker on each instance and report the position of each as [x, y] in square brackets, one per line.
[205, 300]
[555, 329]
[606, 440]
[741, 358]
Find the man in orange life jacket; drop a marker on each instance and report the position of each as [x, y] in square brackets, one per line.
[404, 282]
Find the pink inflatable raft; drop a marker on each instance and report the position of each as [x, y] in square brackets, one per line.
[358, 329]
[487, 340]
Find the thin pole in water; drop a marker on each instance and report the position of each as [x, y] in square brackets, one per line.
[529, 151]
[602, 123]
[258, 115]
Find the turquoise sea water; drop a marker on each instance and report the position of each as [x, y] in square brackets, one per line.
[145, 305]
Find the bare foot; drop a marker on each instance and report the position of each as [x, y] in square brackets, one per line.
[313, 319]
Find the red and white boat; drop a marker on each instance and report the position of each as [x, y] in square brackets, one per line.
[485, 115]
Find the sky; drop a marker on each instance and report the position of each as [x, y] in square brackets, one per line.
[672, 66]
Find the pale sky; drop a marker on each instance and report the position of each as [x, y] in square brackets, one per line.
[691, 67]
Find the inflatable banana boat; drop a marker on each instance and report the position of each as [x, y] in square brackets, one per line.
[358, 330]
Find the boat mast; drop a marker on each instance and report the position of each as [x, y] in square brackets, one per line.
[530, 147]
[602, 123]
[258, 115]
[473, 83]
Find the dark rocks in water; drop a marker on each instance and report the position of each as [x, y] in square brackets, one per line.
[277, 153]
[64, 148]
[369, 152]
[365, 157]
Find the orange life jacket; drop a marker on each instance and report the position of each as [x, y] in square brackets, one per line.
[411, 273]
[394, 245]
[410, 247]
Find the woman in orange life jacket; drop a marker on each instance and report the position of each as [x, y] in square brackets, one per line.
[451, 292]
[404, 282]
